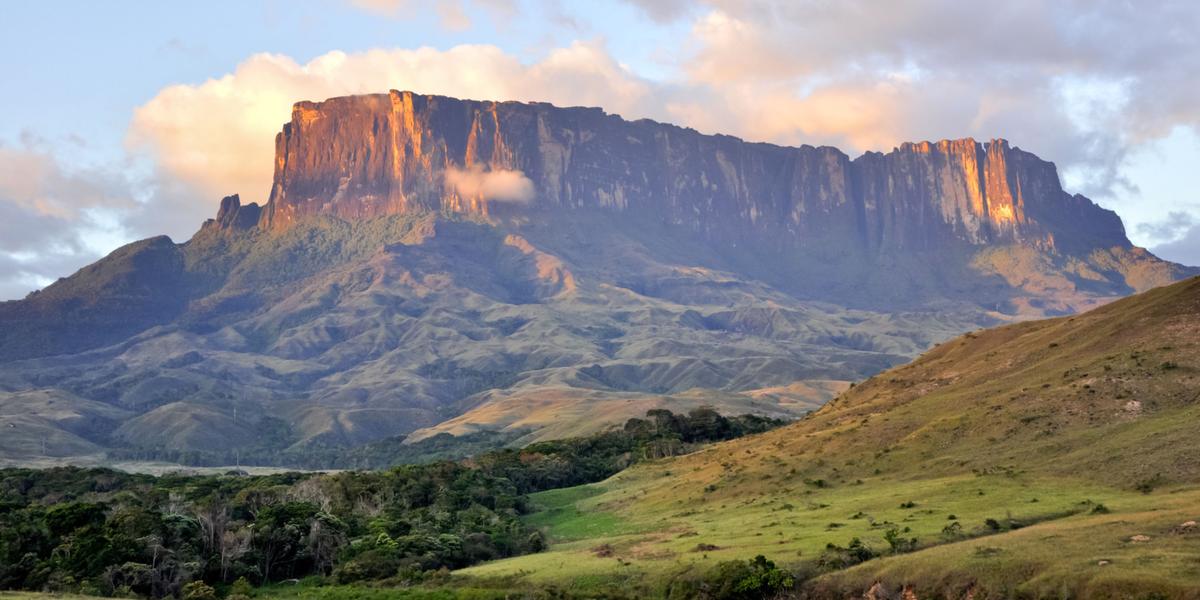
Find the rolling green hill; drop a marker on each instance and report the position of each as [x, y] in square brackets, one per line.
[1055, 458]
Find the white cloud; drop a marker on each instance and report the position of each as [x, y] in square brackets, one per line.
[500, 185]
[862, 77]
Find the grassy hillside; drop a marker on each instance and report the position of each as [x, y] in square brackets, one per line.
[1041, 459]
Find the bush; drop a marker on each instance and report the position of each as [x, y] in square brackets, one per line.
[198, 590]
[376, 563]
[899, 543]
[952, 531]
[241, 587]
[746, 580]
[407, 521]
[836, 557]
[1147, 485]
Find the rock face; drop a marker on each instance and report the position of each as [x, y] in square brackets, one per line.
[362, 156]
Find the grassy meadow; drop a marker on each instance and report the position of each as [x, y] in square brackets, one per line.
[1044, 459]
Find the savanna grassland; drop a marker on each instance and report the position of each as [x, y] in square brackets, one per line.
[1040, 459]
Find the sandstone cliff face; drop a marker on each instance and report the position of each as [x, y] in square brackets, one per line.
[362, 156]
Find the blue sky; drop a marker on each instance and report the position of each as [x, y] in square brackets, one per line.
[115, 57]
[127, 119]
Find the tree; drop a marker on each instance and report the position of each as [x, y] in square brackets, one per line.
[706, 424]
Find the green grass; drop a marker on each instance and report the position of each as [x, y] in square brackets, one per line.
[1035, 423]
[788, 523]
[1059, 545]
[561, 514]
[1091, 554]
[360, 592]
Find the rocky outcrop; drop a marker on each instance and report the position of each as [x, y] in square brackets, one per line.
[232, 215]
[362, 156]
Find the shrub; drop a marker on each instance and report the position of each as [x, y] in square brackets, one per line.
[746, 580]
[952, 531]
[836, 557]
[1147, 485]
[198, 590]
[899, 543]
[241, 587]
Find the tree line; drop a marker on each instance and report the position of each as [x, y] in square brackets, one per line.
[112, 533]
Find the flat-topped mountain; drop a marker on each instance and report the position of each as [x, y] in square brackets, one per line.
[364, 156]
[919, 223]
[433, 264]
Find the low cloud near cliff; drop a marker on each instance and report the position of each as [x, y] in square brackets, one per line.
[498, 185]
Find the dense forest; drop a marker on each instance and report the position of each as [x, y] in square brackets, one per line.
[113, 533]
